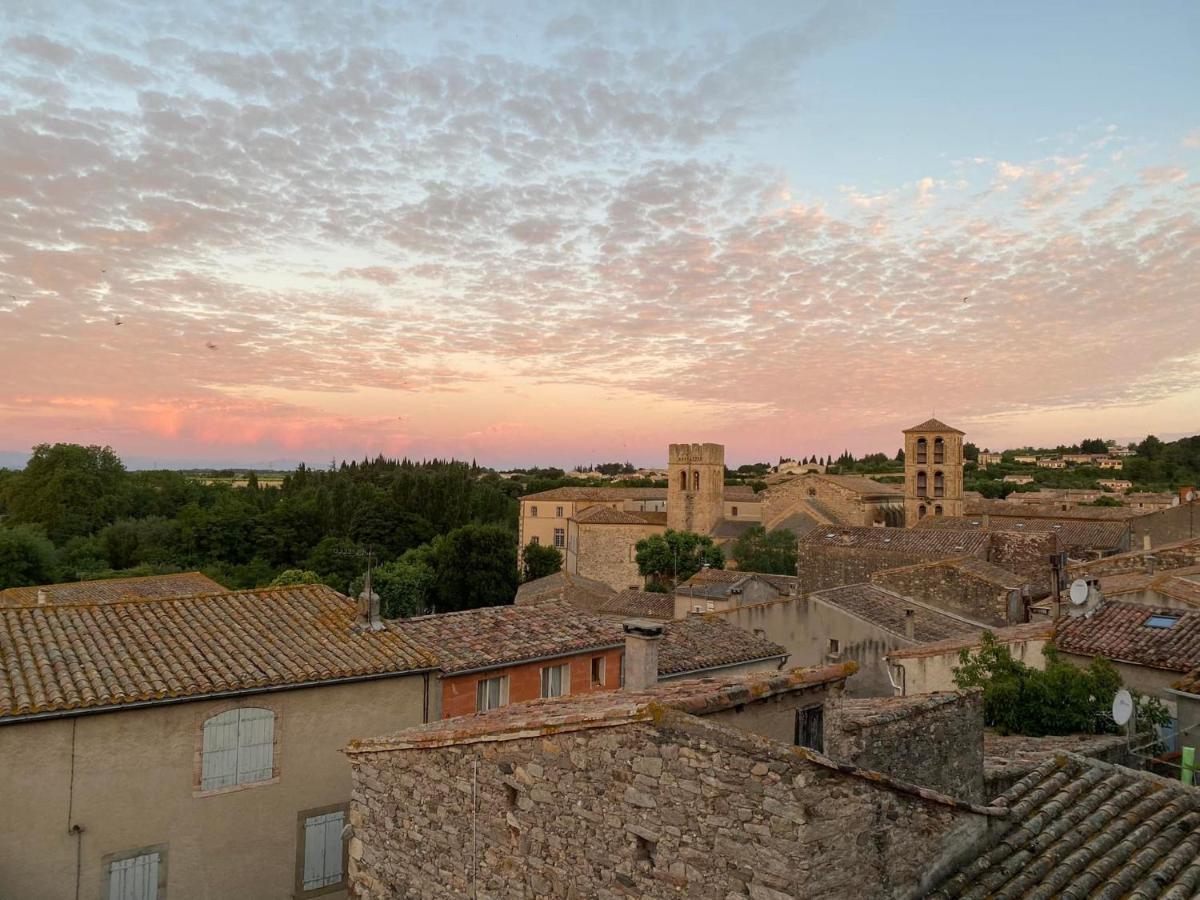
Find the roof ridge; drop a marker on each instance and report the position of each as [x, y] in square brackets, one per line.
[139, 600]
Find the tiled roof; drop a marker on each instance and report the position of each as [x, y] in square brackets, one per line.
[932, 425]
[885, 609]
[599, 493]
[1008, 509]
[1071, 533]
[1189, 683]
[183, 584]
[502, 635]
[606, 515]
[577, 712]
[633, 604]
[1011, 634]
[55, 658]
[861, 484]
[732, 529]
[1118, 631]
[718, 582]
[708, 642]
[1173, 555]
[1080, 828]
[913, 541]
[970, 565]
[562, 585]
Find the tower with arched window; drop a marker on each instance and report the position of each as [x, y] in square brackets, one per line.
[695, 486]
[933, 471]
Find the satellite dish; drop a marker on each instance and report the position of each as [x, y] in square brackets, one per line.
[1122, 707]
[1079, 591]
[1191, 495]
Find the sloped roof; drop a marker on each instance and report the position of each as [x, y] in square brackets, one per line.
[970, 565]
[1078, 828]
[886, 609]
[699, 643]
[493, 636]
[1119, 631]
[913, 541]
[606, 515]
[633, 604]
[1025, 511]
[79, 657]
[1010, 634]
[932, 425]
[861, 484]
[182, 584]
[561, 585]
[1071, 533]
[602, 494]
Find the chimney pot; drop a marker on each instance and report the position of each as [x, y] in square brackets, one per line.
[641, 653]
[42, 597]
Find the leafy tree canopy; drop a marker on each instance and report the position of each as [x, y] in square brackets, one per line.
[538, 561]
[295, 576]
[676, 556]
[772, 552]
[26, 557]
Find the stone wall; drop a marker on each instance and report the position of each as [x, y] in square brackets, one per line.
[934, 740]
[1178, 523]
[678, 808]
[1028, 555]
[950, 588]
[844, 505]
[1165, 558]
[606, 552]
[820, 567]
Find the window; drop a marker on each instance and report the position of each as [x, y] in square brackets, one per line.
[937, 510]
[939, 484]
[556, 680]
[535, 540]
[533, 512]
[939, 451]
[321, 852]
[558, 510]
[491, 693]
[683, 481]
[597, 671]
[1162, 621]
[810, 728]
[834, 647]
[922, 484]
[695, 481]
[560, 538]
[238, 748]
[734, 511]
[921, 511]
[922, 447]
[136, 875]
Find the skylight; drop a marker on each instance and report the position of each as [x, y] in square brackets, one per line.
[1162, 621]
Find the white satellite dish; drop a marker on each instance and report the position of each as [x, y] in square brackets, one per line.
[1122, 707]
[1079, 591]
[1191, 495]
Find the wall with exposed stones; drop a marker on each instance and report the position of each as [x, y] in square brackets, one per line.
[679, 808]
[606, 552]
[1027, 554]
[934, 740]
[950, 588]
[820, 567]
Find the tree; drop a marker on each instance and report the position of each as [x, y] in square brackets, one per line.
[772, 552]
[26, 557]
[337, 560]
[69, 490]
[676, 556]
[405, 585]
[900, 456]
[294, 576]
[539, 560]
[1150, 448]
[476, 565]
[1093, 445]
[970, 452]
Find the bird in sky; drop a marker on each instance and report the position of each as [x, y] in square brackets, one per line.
[964, 299]
[117, 321]
[210, 345]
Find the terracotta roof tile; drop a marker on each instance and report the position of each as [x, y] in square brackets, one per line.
[606, 515]
[912, 541]
[608, 494]
[1119, 631]
[886, 610]
[932, 425]
[1083, 828]
[708, 642]
[1080, 534]
[55, 658]
[1011, 634]
[633, 604]
[562, 585]
[1005, 508]
[182, 584]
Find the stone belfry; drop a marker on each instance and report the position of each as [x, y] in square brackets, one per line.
[933, 471]
[695, 487]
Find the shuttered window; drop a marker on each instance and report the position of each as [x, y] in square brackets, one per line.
[137, 876]
[239, 748]
[323, 850]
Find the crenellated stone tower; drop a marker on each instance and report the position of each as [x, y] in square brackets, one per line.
[933, 471]
[695, 487]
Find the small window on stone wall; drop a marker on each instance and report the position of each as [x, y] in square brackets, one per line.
[644, 851]
[835, 648]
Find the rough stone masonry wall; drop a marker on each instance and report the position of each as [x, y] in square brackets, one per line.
[683, 809]
[951, 589]
[932, 740]
[781, 500]
[819, 567]
[606, 553]
[1028, 555]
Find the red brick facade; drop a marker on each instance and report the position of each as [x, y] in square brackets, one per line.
[525, 680]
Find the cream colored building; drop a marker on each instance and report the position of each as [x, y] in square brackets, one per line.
[1025, 459]
[990, 459]
[929, 667]
[1108, 463]
[933, 471]
[1116, 484]
[190, 748]
[1051, 462]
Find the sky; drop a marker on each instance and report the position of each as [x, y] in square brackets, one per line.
[559, 233]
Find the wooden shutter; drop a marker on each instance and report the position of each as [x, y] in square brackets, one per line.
[323, 850]
[256, 745]
[135, 878]
[220, 751]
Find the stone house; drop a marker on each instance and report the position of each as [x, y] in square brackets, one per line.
[990, 459]
[1166, 526]
[834, 556]
[1109, 463]
[928, 668]
[1163, 557]
[833, 500]
[1079, 538]
[191, 742]
[596, 598]
[710, 590]
[966, 585]
[1051, 462]
[602, 544]
[1018, 479]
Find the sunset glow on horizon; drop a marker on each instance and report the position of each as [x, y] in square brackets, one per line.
[575, 232]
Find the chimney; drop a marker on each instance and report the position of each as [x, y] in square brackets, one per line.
[42, 597]
[641, 653]
[1151, 563]
[909, 623]
[368, 618]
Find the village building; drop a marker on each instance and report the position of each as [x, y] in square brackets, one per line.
[929, 667]
[710, 590]
[1079, 459]
[1115, 484]
[1122, 452]
[596, 598]
[1017, 479]
[1051, 462]
[183, 584]
[965, 585]
[1109, 463]
[147, 740]
[807, 501]
[933, 471]
[1079, 538]
[1165, 557]
[990, 459]
[1025, 459]
[1179, 522]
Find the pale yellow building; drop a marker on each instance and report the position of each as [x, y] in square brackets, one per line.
[190, 748]
[1109, 463]
[933, 471]
[1051, 462]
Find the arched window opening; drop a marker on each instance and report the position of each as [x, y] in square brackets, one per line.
[922, 447]
[922, 484]
[939, 484]
[238, 748]
[683, 481]
[695, 481]
[939, 451]
[921, 511]
[937, 510]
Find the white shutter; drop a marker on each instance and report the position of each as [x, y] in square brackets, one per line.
[135, 878]
[256, 745]
[333, 848]
[220, 751]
